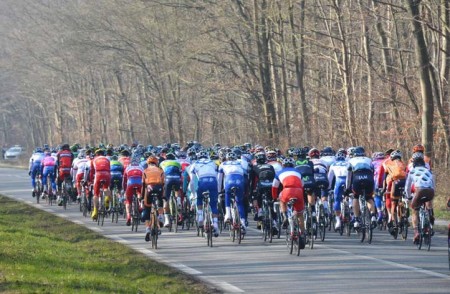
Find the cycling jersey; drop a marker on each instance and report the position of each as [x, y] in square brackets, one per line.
[132, 178]
[360, 176]
[291, 180]
[232, 175]
[205, 170]
[306, 168]
[100, 171]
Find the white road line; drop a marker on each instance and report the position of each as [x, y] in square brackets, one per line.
[391, 263]
[228, 288]
[13, 191]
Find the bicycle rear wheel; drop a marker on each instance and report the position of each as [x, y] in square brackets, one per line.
[208, 229]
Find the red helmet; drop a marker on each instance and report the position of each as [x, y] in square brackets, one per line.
[418, 148]
[314, 153]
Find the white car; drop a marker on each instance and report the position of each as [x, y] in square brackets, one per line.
[14, 152]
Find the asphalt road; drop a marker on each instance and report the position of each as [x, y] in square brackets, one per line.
[340, 264]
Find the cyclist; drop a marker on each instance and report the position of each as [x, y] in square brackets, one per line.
[35, 166]
[327, 156]
[117, 170]
[419, 148]
[320, 177]
[261, 177]
[359, 180]
[153, 181]
[124, 158]
[380, 182]
[100, 170]
[338, 175]
[79, 167]
[231, 174]
[306, 169]
[172, 174]
[48, 169]
[377, 161]
[64, 159]
[422, 179]
[393, 185]
[205, 171]
[272, 159]
[132, 179]
[292, 187]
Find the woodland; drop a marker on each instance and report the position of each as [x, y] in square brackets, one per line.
[283, 73]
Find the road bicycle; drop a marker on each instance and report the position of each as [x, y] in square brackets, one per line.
[135, 217]
[278, 220]
[39, 188]
[101, 208]
[173, 208]
[294, 238]
[425, 228]
[267, 219]
[155, 229]
[345, 218]
[235, 226]
[115, 203]
[208, 228]
[403, 218]
[50, 196]
[84, 201]
[365, 229]
[331, 214]
[66, 191]
[221, 212]
[321, 220]
[311, 227]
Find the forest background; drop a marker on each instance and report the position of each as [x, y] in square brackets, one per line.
[276, 72]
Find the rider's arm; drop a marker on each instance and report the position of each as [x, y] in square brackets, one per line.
[330, 177]
[275, 185]
[408, 185]
[219, 179]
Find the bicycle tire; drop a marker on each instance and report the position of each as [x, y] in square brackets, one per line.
[369, 230]
[155, 236]
[209, 228]
[270, 227]
[404, 225]
[428, 240]
[291, 239]
[299, 235]
[321, 225]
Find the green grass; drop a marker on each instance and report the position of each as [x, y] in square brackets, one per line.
[41, 253]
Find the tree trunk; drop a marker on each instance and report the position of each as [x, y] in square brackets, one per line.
[425, 80]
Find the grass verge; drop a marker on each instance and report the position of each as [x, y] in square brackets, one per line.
[41, 253]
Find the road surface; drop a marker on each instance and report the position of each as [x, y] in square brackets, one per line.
[340, 264]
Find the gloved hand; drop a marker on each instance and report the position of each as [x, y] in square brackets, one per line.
[29, 173]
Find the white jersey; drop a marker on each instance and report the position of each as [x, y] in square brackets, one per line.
[328, 160]
[420, 177]
[36, 159]
[204, 168]
[79, 166]
[320, 167]
[338, 170]
[360, 163]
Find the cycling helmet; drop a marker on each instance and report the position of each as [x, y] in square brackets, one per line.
[260, 157]
[418, 148]
[38, 150]
[327, 151]
[271, 155]
[213, 155]
[396, 154]
[351, 151]
[231, 156]
[125, 152]
[418, 158]
[202, 154]
[359, 151]
[170, 156]
[237, 151]
[340, 155]
[152, 160]
[99, 152]
[65, 147]
[389, 151]
[82, 153]
[109, 152]
[378, 156]
[181, 154]
[289, 161]
[303, 152]
[314, 153]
